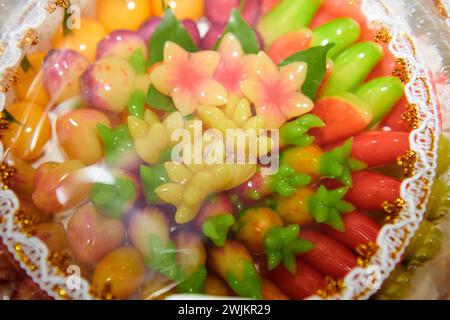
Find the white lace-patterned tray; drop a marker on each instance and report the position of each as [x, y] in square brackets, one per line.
[36, 17]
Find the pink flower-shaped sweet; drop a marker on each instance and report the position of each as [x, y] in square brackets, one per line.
[275, 92]
[188, 78]
[234, 66]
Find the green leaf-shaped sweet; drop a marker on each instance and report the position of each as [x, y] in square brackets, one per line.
[170, 29]
[162, 258]
[316, 59]
[159, 101]
[326, 206]
[114, 200]
[247, 37]
[117, 142]
[152, 178]
[136, 104]
[138, 61]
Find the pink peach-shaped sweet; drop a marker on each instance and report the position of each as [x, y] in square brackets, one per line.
[61, 72]
[148, 27]
[219, 11]
[61, 186]
[108, 83]
[78, 135]
[120, 44]
[91, 236]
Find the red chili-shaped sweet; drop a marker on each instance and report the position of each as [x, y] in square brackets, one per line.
[306, 281]
[394, 120]
[371, 189]
[359, 229]
[377, 148]
[328, 255]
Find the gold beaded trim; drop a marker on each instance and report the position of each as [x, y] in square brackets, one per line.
[61, 292]
[407, 162]
[441, 9]
[59, 260]
[6, 173]
[411, 116]
[401, 71]
[392, 210]
[332, 287]
[52, 5]
[365, 251]
[104, 293]
[383, 35]
[26, 222]
[24, 258]
[31, 38]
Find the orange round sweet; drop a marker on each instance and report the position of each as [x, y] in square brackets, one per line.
[27, 136]
[122, 271]
[83, 40]
[123, 14]
[183, 9]
[30, 87]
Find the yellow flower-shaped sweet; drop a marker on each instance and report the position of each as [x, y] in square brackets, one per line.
[188, 78]
[275, 91]
[234, 66]
[151, 136]
[192, 184]
[237, 118]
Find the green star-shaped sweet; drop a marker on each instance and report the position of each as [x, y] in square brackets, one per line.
[216, 228]
[287, 181]
[117, 142]
[283, 244]
[339, 165]
[296, 132]
[326, 206]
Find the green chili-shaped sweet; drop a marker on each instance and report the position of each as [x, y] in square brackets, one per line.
[136, 104]
[352, 66]
[152, 178]
[380, 94]
[296, 132]
[343, 32]
[114, 200]
[287, 16]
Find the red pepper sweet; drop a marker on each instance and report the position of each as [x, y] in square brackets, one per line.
[359, 229]
[328, 255]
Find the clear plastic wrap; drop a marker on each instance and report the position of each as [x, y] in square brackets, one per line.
[57, 270]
